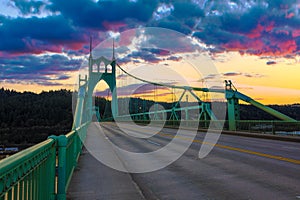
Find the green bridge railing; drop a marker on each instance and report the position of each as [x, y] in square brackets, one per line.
[273, 127]
[42, 171]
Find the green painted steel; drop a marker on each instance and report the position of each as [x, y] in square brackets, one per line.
[79, 107]
[101, 69]
[233, 111]
[233, 97]
[174, 109]
[31, 173]
[68, 150]
[272, 111]
[233, 108]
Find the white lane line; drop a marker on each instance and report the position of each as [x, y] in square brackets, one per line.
[298, 197]
[155, 143]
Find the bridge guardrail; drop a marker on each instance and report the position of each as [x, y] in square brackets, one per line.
[269, 127]
[29, 174]
[44, 170]
[273, 127]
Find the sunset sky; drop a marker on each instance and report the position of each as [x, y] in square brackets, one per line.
[254, 43]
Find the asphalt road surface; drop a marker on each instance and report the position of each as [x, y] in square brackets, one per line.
[237, 168]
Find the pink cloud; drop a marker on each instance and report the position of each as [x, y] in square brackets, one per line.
[257, 32]
[290, 15]
[113, 26]
[296, 33]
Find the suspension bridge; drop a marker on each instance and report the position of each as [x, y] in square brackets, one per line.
[237, 168]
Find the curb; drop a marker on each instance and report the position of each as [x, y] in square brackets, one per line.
[264, 136]
[254, 135]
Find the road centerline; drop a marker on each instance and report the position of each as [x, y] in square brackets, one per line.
[294, 161]
[152, 142]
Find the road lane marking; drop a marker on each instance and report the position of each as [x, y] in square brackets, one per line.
[155, 143]
[294, 161]
[238, 149]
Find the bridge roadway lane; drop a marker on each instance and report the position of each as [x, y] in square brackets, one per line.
[237, 168]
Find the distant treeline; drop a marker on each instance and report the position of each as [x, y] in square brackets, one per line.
[28, 118]
[249, 112]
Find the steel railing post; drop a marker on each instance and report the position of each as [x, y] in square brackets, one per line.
[61, 168]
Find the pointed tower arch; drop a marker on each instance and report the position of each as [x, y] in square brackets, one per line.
[95, 75]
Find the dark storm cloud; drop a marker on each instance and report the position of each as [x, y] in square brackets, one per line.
[29, 7]
[86, 13]
[150, 55]
[36, 35]
[186, 9]
[267, 28]
[174, 58]
[263, 28]
[44, 70]
[247, 75]
[145, 55]
[242, 23]
[145, 90]
[156, 51]
[231, 74]
[173, 25]
[259, 28]
[43, 82]
[138, 88]
[271, 63]
[213, 35]
[45, 64]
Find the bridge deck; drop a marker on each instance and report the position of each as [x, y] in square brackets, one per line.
[238, 168]
[94, 180]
